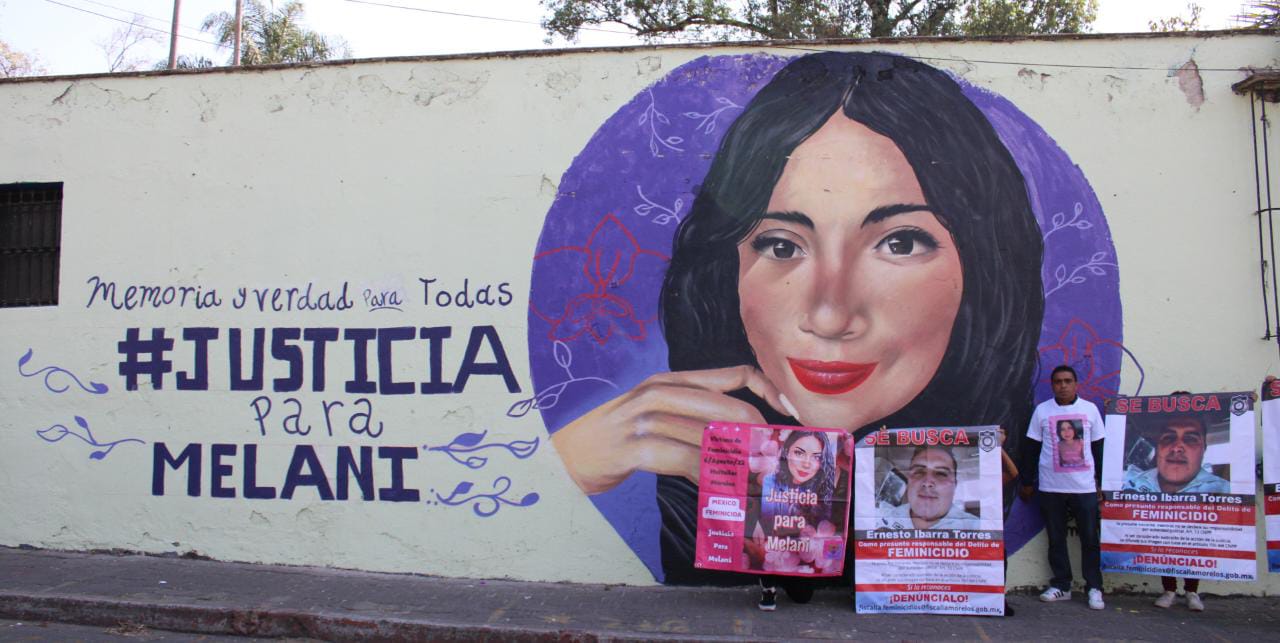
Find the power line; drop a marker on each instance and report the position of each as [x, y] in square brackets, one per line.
[136, 13]
[103, 15]
[470, 15]
[788, 47]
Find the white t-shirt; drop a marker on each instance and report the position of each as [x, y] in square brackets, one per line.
[1066, 459]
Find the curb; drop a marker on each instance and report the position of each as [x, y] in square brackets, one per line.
[270, 623]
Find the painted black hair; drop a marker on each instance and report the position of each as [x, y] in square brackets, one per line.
[969, 180]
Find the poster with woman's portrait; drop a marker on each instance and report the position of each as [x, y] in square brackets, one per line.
[773, 500]
[1271, 469]
[1068, 443]
[928, 523]
[1178, 481]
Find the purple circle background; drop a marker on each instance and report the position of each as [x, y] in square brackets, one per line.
[594, 330]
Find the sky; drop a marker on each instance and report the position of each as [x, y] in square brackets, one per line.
[66, 36]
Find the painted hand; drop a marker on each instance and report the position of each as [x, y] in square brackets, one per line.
[657, 426]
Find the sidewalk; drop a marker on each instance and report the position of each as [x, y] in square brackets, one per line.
[272, 601]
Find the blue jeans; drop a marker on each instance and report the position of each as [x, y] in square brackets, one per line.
[1053, 507]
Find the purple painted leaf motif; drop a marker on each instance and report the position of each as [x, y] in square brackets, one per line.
[475, 462]
[524, 448]
[528, 499]
[1084, 225]
[1097, 271]
[98, 455]
[83, 424]
[644, 117]
[462, 488]
[691, 114]
[467, 439]
[562, 354]
[98, 387]
[1058, 219]
[521, 408]
[53, 433]
[549, 400]
[1098, 256]
[25, 358]
[1060, 273]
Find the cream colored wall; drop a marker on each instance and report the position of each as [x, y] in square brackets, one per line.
[384, 172]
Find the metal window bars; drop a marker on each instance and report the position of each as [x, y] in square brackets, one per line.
[1263, 87]
[30, 243]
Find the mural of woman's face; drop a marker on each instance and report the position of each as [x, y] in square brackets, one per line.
[804, 459]
[849, 285]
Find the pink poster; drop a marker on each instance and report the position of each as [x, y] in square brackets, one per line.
[773, 500]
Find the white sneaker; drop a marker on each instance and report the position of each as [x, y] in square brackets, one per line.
[1052, 594]
[1166, 600]
[1095, 600]
[1194, 603]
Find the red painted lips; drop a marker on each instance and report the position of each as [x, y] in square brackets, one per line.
[830, 378]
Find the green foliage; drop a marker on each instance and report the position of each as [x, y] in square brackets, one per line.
[1016, 17]
[811, 19]
[187, 62]
[270, 35]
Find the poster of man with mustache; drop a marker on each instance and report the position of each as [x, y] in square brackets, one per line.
[1178, 481]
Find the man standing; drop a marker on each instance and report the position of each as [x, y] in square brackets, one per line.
[1066, 483]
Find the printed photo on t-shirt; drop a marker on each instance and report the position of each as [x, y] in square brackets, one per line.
[1068, 443]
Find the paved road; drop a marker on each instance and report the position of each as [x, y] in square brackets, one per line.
[208, 597]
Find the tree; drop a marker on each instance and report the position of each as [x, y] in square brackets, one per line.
[14, 63]
[1005, 17]
[122, 41]
[809, 19]
[1179, 23]
[1261, 14]
[271, 35]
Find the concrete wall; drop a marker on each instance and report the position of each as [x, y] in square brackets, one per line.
[541, 193]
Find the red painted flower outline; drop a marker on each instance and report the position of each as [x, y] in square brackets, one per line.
[611, 257]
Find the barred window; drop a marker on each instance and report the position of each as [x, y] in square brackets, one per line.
[30, 243]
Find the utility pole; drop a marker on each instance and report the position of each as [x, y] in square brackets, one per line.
[173, 36]
[235, 57]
